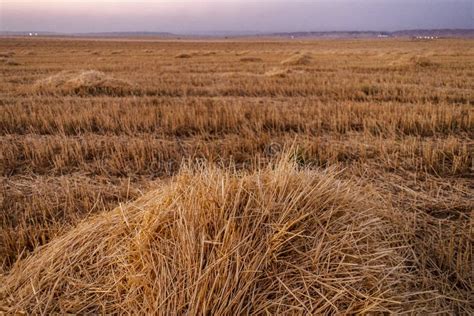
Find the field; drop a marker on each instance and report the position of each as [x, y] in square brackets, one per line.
[381, 131]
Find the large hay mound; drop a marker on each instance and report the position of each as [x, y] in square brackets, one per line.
[215, 242]
[298, 60]
[83, 82]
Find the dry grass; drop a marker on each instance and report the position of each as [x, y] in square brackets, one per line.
[394, 117]
[278, 241]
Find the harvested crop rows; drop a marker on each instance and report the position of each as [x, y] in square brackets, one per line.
[88, 125]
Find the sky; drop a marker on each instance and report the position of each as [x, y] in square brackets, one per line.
[209, 16]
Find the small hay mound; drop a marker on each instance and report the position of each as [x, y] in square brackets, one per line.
[423, 62]
[6, 54]
[183, 55]
[83, 82]
[279, 73]
[10, 62]
[251, 59]
[242, 53]
[278, 241]
[298, 60]
[413, 61]
[210, 53]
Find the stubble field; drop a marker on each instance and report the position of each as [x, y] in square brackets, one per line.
[88, 125]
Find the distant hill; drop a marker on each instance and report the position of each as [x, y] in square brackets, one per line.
[331, 34]
[469, 33]
[446, 33]
[126, 34]
[457, 33]
[99, 34]
[33, 33]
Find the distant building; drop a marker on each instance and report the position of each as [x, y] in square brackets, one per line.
[427, 37]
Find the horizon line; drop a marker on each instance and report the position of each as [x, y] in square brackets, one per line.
[255, 32]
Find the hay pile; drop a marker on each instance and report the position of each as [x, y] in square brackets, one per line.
[209, 53]
[12, 62]
[251, 59]
[215, 242]
[298, 60]
[183, 55]
[279, 73]
[423, 62]
[9, 61]
[242, 53]
[413, 61]
[83, 82]
[6, 54]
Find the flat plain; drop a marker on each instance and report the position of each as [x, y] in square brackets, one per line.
[87, 125]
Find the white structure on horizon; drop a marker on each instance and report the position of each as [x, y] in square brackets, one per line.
[427, 37]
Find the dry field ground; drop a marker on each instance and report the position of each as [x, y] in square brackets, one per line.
[300, 177]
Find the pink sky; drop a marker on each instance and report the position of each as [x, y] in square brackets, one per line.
[196, 16]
